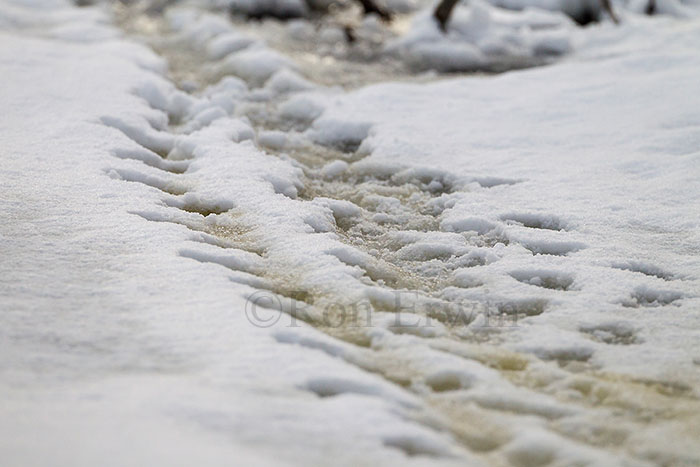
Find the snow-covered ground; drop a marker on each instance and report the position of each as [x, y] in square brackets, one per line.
[221, 246]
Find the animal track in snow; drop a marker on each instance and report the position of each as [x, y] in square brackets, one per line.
[171, 187]
[551, 247]
[536, 221]
[190, 203]
[156, 141]
[152, 159]
[333, 386]
[649, 297]
[415, 446]
[524, 307]
[644, 268]
[616, 333]
[446, 381]
[237, 260]
[548, 279]
[391, 225]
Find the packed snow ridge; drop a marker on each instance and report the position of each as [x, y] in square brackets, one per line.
[266, 244]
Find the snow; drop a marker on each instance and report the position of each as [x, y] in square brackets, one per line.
[254, 65]
[287, 81]
[225, 44]
[598, 162]
[482, 37]
[118, 348]
[498, 35]
[335, 168]
[302, 108]
[254, 268]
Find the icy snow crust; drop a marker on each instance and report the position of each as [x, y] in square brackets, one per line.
[140, 218]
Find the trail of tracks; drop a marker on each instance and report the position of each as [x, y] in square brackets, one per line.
[391, 225]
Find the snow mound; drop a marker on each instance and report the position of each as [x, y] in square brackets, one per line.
[286, 81]
[484, 37]
[227, 43]
[585, 11]
[254, 65]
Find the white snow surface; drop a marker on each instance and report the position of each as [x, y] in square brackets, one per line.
[118, 348]
[600, 156]
[140, 221]
[496, 35]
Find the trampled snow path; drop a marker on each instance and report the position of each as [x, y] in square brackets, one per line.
[405, 254]
[319, 229]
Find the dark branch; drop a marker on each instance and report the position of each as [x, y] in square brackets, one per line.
[443, 12]
[608, 7]
[370, 7]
